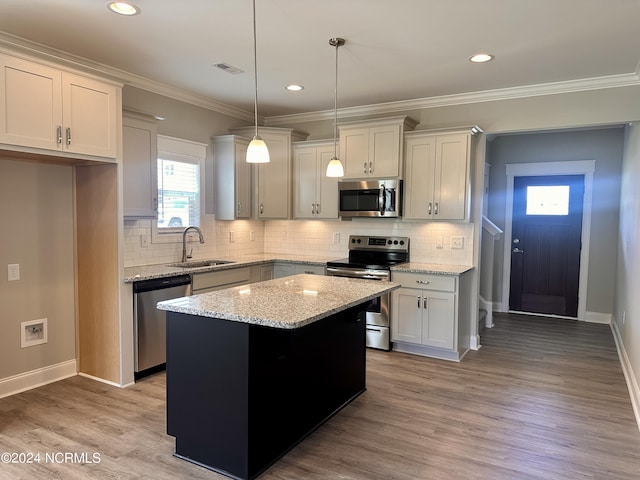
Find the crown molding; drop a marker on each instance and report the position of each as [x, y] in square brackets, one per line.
[570, 86]
[15, 44]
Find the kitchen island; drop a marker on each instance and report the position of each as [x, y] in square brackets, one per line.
[253, 370]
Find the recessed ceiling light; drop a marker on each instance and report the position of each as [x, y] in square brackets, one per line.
[481, 58]
[294, 88]
[123, 8]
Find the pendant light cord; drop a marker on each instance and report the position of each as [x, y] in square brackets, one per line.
[335, 108]
[255, 68]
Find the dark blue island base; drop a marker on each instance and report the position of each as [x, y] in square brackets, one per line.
[240, 396]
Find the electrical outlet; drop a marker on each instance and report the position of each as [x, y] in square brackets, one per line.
[283, 236]
[232, 236]
[144, 241]
[457, 243]
[336, 237]
[439, 242]
[13, 272]
[252, 236]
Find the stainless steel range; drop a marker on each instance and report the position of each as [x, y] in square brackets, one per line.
[371, 258]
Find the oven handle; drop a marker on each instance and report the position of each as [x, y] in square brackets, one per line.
[366, 274]
[382, 200]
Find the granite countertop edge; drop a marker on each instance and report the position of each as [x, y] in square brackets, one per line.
[431, 268]
[269, 320]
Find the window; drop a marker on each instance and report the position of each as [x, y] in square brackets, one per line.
[179, 172]
[548, 200]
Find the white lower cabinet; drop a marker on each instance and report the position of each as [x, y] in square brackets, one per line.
[286, 269]
[220, 279]
[429, 315]
[261, 273]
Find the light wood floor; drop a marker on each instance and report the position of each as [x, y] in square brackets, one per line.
[542, 399]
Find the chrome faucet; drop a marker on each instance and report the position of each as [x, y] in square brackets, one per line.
[184, 242]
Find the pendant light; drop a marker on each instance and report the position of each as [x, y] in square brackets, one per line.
[257, 152]
[335, 168]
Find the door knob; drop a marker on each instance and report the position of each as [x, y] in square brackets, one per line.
[517, 250]
[516, 241]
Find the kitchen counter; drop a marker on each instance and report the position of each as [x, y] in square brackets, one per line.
[301, 300]
[148, 272]
[253, 370]
[432, 268]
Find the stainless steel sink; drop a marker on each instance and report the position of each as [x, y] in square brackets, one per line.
[200, 263]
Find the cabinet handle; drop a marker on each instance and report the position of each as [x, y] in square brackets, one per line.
[155, 204]
[309, 272]
[68, 136]
[239, 207]
[365, 168]
[418, 301]
[317, 209]
[370, 167]
[313, 209]
[436, 210]
[429, 210]
[261, 209]
[59, 134]
[424, 303]
[423, 282]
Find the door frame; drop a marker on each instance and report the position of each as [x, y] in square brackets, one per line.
[539, 169]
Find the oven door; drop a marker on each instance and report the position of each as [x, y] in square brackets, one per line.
[377, 311]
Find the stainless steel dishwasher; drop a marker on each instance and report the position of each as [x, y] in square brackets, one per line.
[149, 323]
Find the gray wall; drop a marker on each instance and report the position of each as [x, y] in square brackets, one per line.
[36, 208]
[605, 147]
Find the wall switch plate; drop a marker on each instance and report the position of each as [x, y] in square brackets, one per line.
[439, 242]
[252, 235]
[457, 243]
[232, 236]
[336, 237]
[144, 241]
[283, 236]
[13, 272]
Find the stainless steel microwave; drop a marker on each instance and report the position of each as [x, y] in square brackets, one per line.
[370, 198]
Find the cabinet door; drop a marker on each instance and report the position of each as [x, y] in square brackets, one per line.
[354, 152]
[305, 168]
[384, 151]
[283, 270]
[242, 182]
[450, 196]
[139, 163]
[327, 196]
[438, 321]
[274, 178]
[301, 268]
[89, 116]
[406, 318]
[420, 158]
[30, 104]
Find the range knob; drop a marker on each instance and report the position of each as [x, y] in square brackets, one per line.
[401, 242]
[353, 240]
[395, 242]
[388, 242]
[359, 240]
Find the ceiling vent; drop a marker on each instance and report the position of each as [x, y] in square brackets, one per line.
[228, 68]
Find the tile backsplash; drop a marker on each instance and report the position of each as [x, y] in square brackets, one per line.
[431, 242]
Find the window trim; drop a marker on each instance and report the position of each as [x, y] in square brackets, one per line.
[187, 151]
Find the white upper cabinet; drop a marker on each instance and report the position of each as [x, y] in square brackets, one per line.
[315, 196]
[272, 181]
[139, 164]
[373, 148]
[232, 177]
[436, 176]
[45, 108]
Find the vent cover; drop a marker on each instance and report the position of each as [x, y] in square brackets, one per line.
[228, 68]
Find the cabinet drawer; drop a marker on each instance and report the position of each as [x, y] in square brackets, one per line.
[207, 280]
[310, 269]
[445, 283]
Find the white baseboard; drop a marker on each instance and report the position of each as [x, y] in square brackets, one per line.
[629, 375]
[597, 317]
[37, 378]
[102, 380]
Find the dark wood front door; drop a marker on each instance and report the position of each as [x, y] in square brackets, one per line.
[545, 244]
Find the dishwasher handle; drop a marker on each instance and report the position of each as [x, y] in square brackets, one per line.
[161, 283]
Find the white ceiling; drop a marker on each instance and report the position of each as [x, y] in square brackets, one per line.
[396, 50]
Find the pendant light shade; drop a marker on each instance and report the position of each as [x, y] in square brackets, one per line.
[335, 168]
[257, 152]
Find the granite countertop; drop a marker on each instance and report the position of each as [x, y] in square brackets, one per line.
[285, 303]
[148, 272]
[433, 268]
